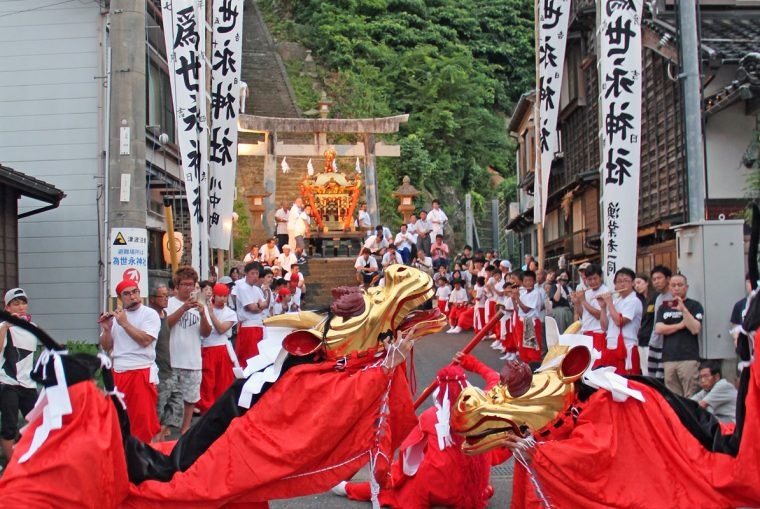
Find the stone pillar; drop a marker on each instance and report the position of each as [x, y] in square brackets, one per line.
[370, 184]
[269, 180]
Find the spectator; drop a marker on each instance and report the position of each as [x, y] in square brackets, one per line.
[438, 220]
[295, 279]
[423, 263]
[281, 220]
[440, 253]
[647, 295]
[293, 218]
[465, 257]
[366, 268]
[660, 278]
[528, 259]
[717, 396]
[187, 323]
[391, 256]
[269, 252]
[302, 230]
[363, 220]
[588, 309]
[442, 294]
[423, 233]
[252, 306]
[377, 243]
[404, 241]
[252, 255]
[679, 321]
[457, 304]
[286, 258]
[283, 302]
[737, 311]
[412, 229]
[559, 295]
[582, 286]
[130, 333]
[218, 356]
[169, 408]
[621, 318]
[207, 288]
[18, 392]
[234, 274]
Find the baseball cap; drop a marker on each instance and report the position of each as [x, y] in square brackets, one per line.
[221, 289]
[584, 266]
[15, 293]
[506, 264]
[284, 290]
[225, 280]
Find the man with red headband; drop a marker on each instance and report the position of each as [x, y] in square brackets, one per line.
[431, 470]
[217, 353]
[130, 334]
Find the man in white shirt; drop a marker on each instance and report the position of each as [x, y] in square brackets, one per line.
[423, 263]
[366, 267]
[302, 229]
[588, 308]
[422, 226]
[404, 241]
[363, 220]
[18, 392]
[187, 323]
[130, 334]
[253, 255]
[252, 307]
[621, 318]
[438, 220]
[269, 252]
[377, 243]
[286, 258]
[219, 359]
[391, 256]
[281, 219]
[293, 217]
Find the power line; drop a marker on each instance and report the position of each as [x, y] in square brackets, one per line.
[39, 8]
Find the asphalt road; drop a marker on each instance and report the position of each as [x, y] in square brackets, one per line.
[430, 355]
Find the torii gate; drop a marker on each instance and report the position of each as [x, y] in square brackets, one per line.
[271, 148]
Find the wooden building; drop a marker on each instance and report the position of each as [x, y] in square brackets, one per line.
[572, 224]
[14, 185]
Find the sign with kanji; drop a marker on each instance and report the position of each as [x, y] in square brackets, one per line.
[128, 258]
[553, 16]
[185, 37]
[226, 66]
[620, 101]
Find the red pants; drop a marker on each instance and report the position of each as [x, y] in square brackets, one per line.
[247, 343]
[217, 375]
[442, 306]
[466, 318]
[496, 329]
[480, 319]
[141, 397]
[527, 353]
[454, 314]
[600, 343]
[508, 338]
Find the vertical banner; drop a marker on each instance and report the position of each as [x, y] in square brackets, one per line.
[185, 36]
[553, 17]
[226, 60]
[619, 34]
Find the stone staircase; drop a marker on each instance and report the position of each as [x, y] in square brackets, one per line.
[324, 274]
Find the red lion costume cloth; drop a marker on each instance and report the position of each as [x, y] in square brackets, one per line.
[308, 415]
[635, 445]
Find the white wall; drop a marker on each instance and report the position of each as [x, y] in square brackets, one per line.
[49, 58]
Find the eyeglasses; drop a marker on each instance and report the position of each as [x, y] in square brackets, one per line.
[160, 296]
[187, 284]
[128, 293]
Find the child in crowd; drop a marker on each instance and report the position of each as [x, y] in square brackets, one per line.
[528, 326]
[480, 298]
[442, 294]
[457, 305]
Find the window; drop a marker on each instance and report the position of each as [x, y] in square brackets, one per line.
[572, 93]
[160, 110]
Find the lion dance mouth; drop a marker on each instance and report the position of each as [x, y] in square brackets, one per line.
[486, 419]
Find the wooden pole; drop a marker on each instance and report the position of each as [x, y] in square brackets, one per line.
[538, 210]
[169, 214]
[467, 349]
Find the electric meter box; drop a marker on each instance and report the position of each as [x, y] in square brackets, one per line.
[711, 256]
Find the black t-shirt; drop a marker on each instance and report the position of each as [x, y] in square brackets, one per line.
[736, 313]
[681, 345]
[647, 318]
[562, 302]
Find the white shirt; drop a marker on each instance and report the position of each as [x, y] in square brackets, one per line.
[185, 337]
[436, 217]
[282, 227]
[425, 265]
[411, 229]
[531, 299]
[387, 258]
[248, 258]
[269, 254]
[249, 294]
[588, 322]
[223, 314]
[26, 343]
[286, 261]
[369, 262]
[630, 307]
[128, 354]
[302, 224]
[404, 240]
[364, 220]
[295, 211]
[480, 296]
[458, 296]
[443, 293]
[422, 227]
[374, 245]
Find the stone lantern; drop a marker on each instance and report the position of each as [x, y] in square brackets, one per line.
[255, 196]
[406, 193]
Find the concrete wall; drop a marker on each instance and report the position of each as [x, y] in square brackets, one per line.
[49, 129]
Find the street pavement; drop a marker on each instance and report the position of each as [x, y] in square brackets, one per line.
[430, 354]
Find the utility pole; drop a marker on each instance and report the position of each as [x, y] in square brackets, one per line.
[538, 195]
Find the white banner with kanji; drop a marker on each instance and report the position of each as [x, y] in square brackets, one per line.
[226, 60]
[553, 16]
[620, 131]
[185, 36]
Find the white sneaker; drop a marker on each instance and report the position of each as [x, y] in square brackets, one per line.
[456, 330]
[451, 330]
[496, 344]
[509, 356]
[340, 489]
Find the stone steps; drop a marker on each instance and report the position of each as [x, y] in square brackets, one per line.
[324, 274]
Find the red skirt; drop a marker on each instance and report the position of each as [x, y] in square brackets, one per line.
[141, 398]
[217, 375]
[247, 343]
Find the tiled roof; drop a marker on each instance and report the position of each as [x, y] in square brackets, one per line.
[732, 35]
[30, 186]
